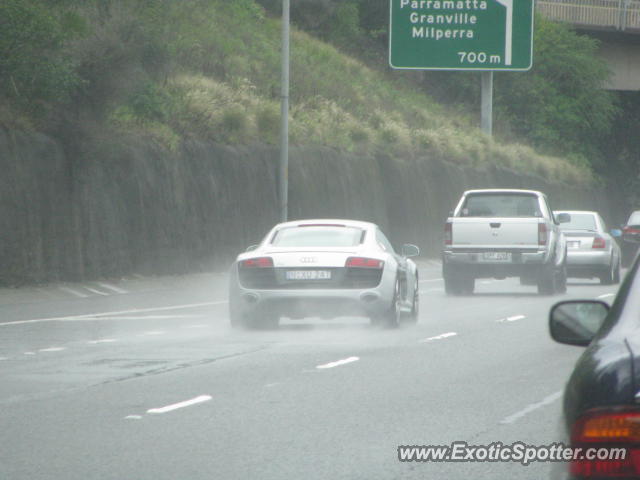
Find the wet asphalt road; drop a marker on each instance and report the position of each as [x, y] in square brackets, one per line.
[144, 379]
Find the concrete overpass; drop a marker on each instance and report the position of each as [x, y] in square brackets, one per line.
[616, 23]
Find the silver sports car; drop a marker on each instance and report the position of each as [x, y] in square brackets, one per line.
[323, 268]
[591, 250]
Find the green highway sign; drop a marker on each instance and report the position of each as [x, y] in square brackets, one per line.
[461, 34]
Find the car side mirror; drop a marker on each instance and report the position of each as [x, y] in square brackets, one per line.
[563, 217]
[576, 322]
[616, 232]
[251, 248]
[409, 250]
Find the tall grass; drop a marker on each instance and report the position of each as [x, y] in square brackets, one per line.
[219, 80]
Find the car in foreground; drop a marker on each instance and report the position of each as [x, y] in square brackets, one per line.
[591, 250]
[499, 233]
[602, 397]
[324, 268]
[631, 237]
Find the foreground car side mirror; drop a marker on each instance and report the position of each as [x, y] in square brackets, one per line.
[563, 217]
[616, 233]
[409, 250]
[250, 248]
[576, 322]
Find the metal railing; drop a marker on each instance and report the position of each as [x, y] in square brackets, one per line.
[609, 14]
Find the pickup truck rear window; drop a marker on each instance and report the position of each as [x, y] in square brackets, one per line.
[501, 205]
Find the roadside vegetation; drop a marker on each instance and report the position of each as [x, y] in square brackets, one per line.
[210, 69]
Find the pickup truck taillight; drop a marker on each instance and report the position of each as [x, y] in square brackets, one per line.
[542, 234]
[598, 242]
[448, 233]
[609, 443]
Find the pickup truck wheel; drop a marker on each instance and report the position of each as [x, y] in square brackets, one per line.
[547, 281]
[467, 285]
[561, 280]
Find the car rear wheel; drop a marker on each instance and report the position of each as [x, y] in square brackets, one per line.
[609, 276]
[392, 317]
[412, 316]
[616, 273]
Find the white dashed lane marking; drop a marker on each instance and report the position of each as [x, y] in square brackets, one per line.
[531, 408]
[439, 337]
[338, 363]
[513, 318]
[176, 406]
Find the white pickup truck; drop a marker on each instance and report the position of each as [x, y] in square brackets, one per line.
[501, 233]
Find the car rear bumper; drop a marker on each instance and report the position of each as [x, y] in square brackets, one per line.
[473, 263]
[577, 259]
[316, 303]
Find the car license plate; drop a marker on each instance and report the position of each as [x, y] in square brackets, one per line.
[496, 256]
[573, 244]
[308, 275]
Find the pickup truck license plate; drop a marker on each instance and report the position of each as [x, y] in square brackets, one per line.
[496, 256]
[308, 275]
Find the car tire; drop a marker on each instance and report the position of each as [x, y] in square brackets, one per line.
[547, 281]
[609, 276]
[392, 317]
[456, 283]
[238, 319]
[412, 316]
[561, 280]
[616, 273]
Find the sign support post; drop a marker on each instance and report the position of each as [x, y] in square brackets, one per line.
[486, 99]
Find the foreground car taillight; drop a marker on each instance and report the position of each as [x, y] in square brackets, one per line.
[599, 434]
[258, 262]
[448, 233]
[362, 262]
[598, 242]
[542, 234]
[630, 230]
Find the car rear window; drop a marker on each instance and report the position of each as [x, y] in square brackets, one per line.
[580, 221]
[634, 219]
[501, 205]
[318, 236]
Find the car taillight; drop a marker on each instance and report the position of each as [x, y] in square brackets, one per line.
[259, 262]
[631, 230]
[598, 242]
[362, 262]
[542, 234]
[448, 233]
[598, 434]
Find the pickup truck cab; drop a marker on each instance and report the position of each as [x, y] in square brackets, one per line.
[501, 233]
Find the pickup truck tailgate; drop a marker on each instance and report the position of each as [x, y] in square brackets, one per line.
[494, 233]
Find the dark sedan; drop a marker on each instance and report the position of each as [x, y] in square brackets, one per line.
[631, 237]
[602, 398]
